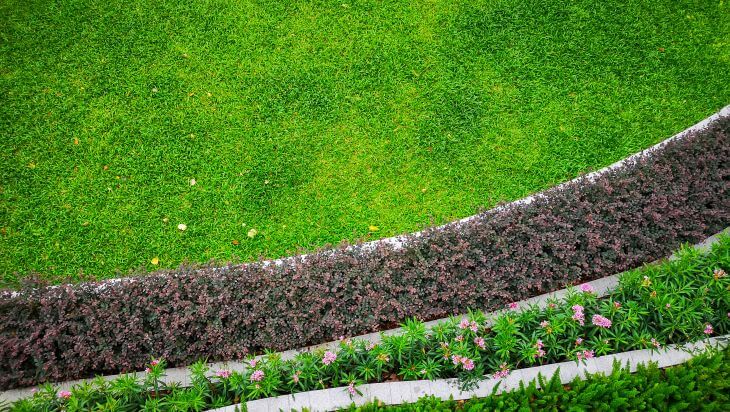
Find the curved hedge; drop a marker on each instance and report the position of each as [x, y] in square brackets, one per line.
[587, 229]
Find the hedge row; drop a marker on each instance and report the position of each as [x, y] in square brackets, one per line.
[701, 384]
[680, 301]
[581, 231]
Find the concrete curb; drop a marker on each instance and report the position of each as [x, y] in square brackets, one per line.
[395, 393]
[602, 287]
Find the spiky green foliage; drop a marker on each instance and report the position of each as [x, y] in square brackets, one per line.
[701, 384]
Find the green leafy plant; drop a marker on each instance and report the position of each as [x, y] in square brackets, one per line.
[701, 384]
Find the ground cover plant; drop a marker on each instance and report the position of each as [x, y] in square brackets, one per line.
[676, 302]
[588, 229]
[302, 123]
[703, 384]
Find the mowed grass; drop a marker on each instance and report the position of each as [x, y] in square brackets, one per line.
[311, 121]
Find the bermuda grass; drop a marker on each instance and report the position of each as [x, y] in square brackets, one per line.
[317, 121]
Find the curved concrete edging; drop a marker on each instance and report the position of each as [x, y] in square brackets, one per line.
[602, 287]
[396, 393]
[397, 241]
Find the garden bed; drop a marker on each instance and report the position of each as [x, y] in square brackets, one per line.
[703, 383]
[614, 221]
[679, 301]
[397, 393]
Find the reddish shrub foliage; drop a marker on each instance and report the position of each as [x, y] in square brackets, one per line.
[624, 218]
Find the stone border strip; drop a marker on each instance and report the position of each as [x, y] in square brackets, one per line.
[396, 393]
[602, 287]
[397, 241]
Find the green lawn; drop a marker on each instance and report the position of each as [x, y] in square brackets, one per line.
[311, 121]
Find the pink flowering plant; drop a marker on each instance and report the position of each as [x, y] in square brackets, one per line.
[655, 306]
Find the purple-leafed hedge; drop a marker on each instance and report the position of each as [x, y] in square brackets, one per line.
[631, 215]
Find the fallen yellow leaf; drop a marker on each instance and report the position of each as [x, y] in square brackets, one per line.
[373, 228]
[155, 261]
[182, 226]
[252, 233]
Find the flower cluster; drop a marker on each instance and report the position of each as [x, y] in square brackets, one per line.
[471, 325]
[479, 341]
[586, 354]
[578, 314]
[503, 372]
[540, 351]
[257, 375]
[329, 357]
[465, 362]
[601, 322]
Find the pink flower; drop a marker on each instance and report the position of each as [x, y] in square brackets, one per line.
[617, 305]
[295, 377]
[551, 305]
[155, 362]
[728, 314]
[148, 370]
[578, 341]
[655, 343]
[459, 338]
[253, 363]
[467, 363]
[64, 394]
[479, 342]
[602, 322]
[34, 390]
[225, 374]
[667, 306]
[473, 327]
[540, 352]
[370, 346]
[423, 372]
[588, 354]
[586, 288]
[464, 323]
[257, 375]
[578, 314]
[708, 329]
[544, 324]
[341, 337]
[579, 355]
[329, 357]
[513, 306]
[456, 359]
[503, 372]
[351, 389]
